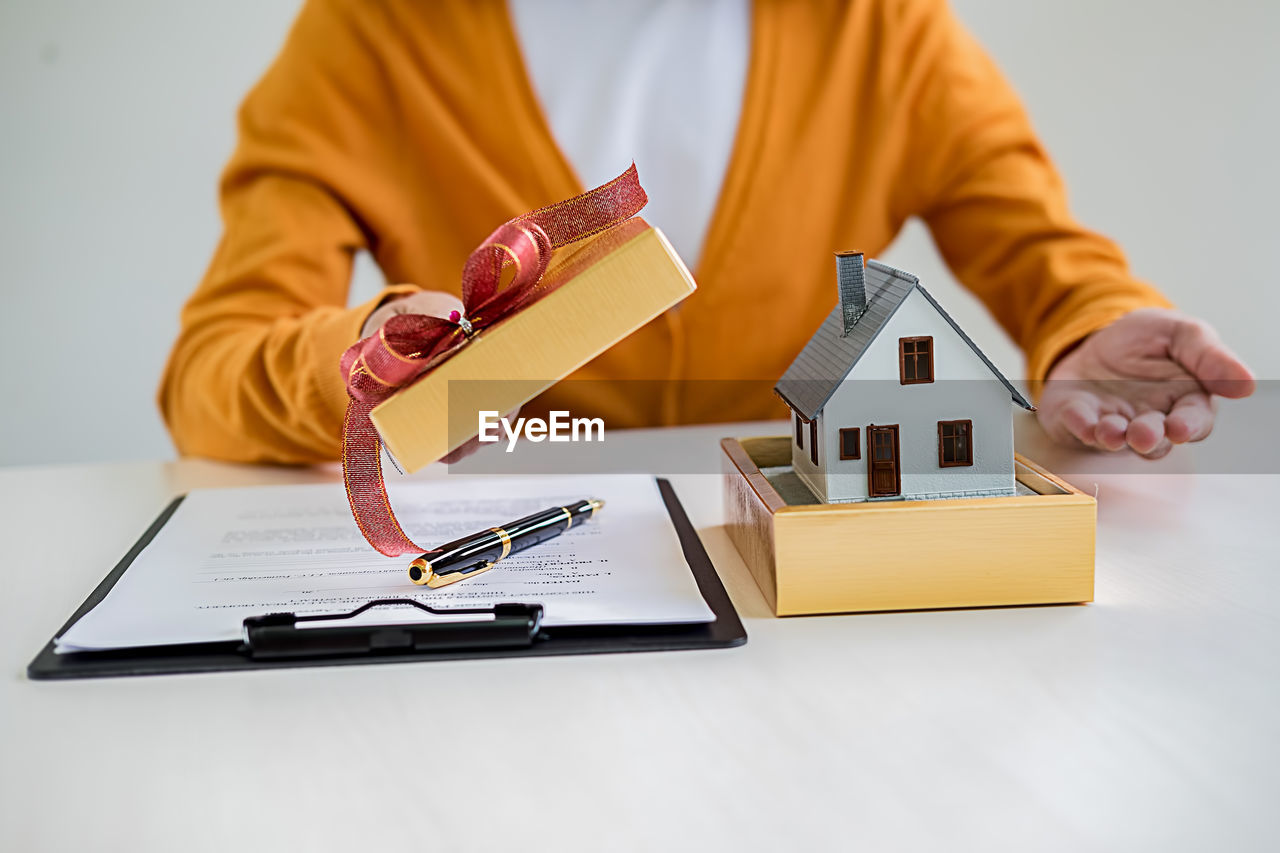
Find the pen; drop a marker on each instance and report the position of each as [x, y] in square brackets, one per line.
[475, 554]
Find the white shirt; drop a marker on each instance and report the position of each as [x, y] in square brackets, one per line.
[659, 82]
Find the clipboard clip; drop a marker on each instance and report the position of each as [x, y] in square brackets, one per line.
[285, 635]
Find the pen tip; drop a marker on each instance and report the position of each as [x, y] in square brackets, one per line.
[596, 503]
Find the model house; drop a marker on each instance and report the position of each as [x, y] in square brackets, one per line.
[890, 399]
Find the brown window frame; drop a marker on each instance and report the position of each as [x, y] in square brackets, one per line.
[813, 441]
[942, 460]
[915, 356]
[799, 431]
[857, 443]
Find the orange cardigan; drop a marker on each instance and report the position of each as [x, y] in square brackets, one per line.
[411, 130]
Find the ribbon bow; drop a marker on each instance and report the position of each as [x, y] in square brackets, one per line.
[407, 345]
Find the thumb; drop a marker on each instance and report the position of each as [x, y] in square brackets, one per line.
[1196, 346]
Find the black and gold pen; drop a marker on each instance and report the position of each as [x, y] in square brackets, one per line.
[476, 554]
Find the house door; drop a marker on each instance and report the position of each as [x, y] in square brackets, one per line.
[883, 476]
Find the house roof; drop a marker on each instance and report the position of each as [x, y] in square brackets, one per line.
[827, 359]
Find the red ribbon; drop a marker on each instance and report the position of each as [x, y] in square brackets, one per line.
[407, 345]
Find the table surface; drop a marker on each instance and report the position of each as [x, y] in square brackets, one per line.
[1146, 720]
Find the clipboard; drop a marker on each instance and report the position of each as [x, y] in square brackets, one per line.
[514, 631]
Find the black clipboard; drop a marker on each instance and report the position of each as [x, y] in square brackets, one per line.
[724, 632]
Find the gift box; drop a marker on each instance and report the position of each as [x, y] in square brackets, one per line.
[595, 292]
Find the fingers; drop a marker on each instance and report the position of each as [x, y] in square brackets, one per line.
[430, 302]
[462, 451]
[473, 444]
[1151, 434]
[1111, 430]
[1080, 418]
[1190, 419]
[1146, 435]
[1145, 431]
[1160, 451]
[1196, 346]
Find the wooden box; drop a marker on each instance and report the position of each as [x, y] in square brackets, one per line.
[1033, 548]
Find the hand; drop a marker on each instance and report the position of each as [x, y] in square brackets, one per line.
[1146, 381]
[431, 302]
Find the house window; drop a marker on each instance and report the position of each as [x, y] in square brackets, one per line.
[813, 441]
[915, 360]
[955, 443]
[799, 433]
[851, 443]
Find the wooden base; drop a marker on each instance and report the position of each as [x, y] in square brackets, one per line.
[907, 555]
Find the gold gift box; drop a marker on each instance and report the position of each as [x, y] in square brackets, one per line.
[599, 291]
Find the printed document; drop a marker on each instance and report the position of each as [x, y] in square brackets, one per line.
[227, 554]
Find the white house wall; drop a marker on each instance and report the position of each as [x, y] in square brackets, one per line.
[963, 388]
[802, 464]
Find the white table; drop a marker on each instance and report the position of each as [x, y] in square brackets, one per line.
[1147, 720]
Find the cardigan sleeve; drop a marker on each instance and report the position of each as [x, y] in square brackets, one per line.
[253, 375]
[975, 172]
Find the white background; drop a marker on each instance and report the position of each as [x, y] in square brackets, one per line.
[116, 118]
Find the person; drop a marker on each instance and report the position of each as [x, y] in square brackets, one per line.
[769, 135]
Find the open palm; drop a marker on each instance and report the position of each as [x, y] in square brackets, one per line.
[1146, 381]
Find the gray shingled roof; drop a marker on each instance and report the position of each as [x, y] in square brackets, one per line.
[827, 359]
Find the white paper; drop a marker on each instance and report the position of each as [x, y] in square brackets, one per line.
[226, 554]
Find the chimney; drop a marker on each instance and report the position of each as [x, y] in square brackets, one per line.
[852, 286]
